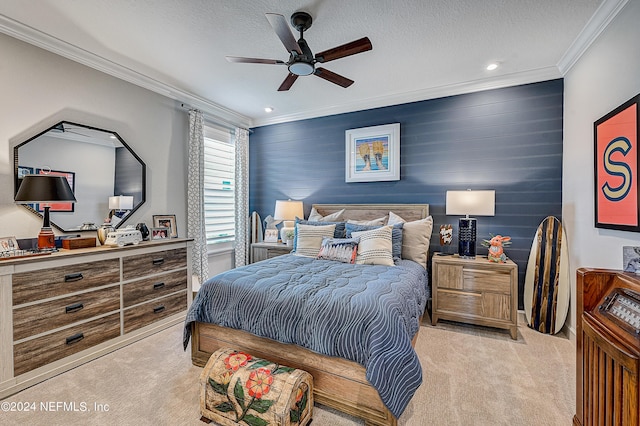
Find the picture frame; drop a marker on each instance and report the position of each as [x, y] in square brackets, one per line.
[8, 244]
[58, 207]
[372, 154]
[271, 235]
[166, 221]
[160, 233]
[631, 259]
[617, 157]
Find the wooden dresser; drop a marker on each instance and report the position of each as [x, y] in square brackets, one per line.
[475, 291]
[608, 348]
[61, 310]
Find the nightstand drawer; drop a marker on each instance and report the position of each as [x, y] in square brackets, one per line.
[481, 305]
[43, 317]
[52, 347]
[487, 280]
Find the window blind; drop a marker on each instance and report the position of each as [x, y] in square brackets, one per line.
[219, 184]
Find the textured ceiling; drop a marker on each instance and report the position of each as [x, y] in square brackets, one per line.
[421, 49]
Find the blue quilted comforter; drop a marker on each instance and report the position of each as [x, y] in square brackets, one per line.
[364, 313]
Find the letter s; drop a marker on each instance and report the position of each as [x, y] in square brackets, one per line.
[617, 168]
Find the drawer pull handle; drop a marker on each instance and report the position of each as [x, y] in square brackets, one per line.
[73, 277]
[158, 261]
[158, 286]
[158, 309]
[73, 308]
[75, 338]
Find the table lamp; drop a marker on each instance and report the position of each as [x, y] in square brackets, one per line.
[287, 211]
[45, 189]
[478, 203]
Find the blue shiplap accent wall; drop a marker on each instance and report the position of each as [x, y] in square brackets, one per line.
[506, 139]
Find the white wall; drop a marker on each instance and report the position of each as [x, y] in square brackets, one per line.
[39, 89]
[607, 75]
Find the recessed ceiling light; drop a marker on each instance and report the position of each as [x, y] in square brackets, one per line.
[492, 66]
[268, 109]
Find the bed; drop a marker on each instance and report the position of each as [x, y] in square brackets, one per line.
[315, 294]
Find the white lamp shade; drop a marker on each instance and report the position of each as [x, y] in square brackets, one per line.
[121, 202]
[476, 203]
[288, 210]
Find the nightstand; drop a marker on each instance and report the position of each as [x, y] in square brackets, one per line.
[262, 251]
[475, 291]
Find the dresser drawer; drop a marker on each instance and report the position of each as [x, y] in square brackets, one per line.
[481, 280]
[46, 349]
[152, 288]
[36, 285]
[153, 311]
[153, 263]
[35, 319]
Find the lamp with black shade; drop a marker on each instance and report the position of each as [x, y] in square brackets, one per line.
[287, 211]
[45, 189]
[477, 203]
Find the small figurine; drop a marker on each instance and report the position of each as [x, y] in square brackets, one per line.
[496, 245]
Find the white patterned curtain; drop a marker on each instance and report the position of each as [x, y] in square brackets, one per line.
[242, 196]
[195, 196]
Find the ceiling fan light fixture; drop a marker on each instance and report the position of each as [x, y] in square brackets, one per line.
[301, 68]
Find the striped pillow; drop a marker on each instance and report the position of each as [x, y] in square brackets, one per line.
[375, 246]
[309, 239]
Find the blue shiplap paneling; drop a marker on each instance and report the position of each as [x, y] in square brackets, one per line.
[506, 139]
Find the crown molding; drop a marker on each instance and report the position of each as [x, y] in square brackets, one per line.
[498, 82]
[59, 47]
[602, 17]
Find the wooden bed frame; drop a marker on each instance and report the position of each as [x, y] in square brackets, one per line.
[338, 383]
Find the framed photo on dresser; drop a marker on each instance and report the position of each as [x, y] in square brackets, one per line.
[166, 221]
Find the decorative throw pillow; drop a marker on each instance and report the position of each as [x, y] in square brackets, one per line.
[375, 246]
[343, 250]
[416, 237]
[396, 236]
[374, 222]
[309, 239]
[339, 232]
[314, 216]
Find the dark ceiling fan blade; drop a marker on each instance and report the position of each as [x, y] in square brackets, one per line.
[288, 82]
[357, 46]
[333, 77]
[281, 27]
[237, 59]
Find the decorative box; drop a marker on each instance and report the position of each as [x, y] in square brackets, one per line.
[239, 389]
[78, 242]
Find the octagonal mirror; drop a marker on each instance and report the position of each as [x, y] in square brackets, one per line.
[99, 166]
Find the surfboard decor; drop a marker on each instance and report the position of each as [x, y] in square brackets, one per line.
[546, 284]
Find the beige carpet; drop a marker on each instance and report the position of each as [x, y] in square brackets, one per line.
[472, 376]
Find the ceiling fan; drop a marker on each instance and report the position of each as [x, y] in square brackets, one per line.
[301, 60]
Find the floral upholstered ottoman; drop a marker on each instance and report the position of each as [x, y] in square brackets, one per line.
[239, 389]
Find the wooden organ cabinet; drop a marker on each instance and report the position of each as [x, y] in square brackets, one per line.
[608, 348]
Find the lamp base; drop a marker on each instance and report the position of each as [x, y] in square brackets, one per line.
[467, 238]
[288, 226]
[46, 238]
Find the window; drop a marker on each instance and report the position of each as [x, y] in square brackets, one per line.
[219, 184]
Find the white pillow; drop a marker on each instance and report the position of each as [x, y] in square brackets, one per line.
[374, 222]
[416, 237]
[375, 246]
[309, 238]
[314, 216]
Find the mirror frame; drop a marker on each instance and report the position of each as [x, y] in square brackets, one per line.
[124, 144]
